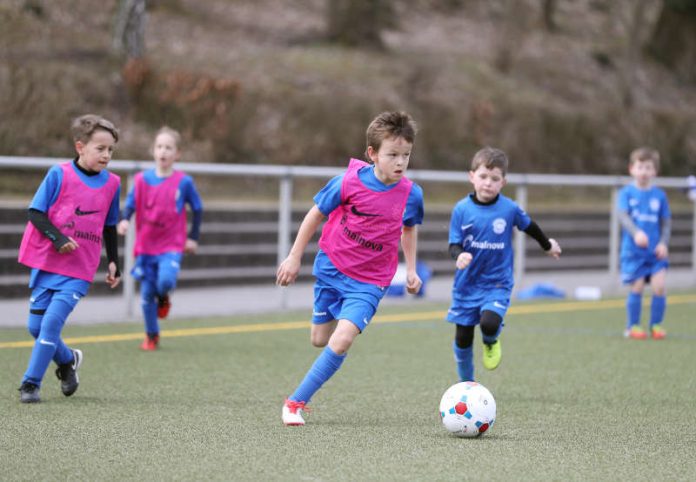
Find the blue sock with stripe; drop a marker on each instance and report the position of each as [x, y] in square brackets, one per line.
[148, 291]
[464, 358]
[657, 309]
[324, 367]
[633, 306]
[48, 345]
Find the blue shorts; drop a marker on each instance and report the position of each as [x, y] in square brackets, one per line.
[468, 312]
[333, 304]
[633, 269]
[152, 268]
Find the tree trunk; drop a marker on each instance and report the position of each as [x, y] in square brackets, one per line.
[674, 40]
[129, 30]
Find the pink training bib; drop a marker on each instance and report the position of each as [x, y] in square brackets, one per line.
[79, 212]
[159, 227]
[361, 236]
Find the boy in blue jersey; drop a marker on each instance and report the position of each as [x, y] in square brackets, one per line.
[158, 199]
[371, 208]
[480, 240]
[645, 217]
[74, 210]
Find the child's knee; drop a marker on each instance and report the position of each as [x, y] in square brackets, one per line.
[319, 340]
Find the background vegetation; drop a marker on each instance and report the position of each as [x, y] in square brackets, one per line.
[565, 86]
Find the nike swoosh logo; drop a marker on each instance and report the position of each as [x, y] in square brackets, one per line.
[358, 213]
[498, 305]
[466, 226]
[44, 342]
[80, 212]
[75, 297]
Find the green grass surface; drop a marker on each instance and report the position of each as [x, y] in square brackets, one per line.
[575, 401]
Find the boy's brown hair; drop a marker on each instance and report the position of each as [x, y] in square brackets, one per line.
[83, 127]
[490, 157]
[390, 125]
[645, 154]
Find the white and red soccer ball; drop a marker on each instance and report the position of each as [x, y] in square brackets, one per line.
[467, 409]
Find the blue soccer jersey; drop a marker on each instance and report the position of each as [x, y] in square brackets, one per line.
[648, 208]
[485, 231]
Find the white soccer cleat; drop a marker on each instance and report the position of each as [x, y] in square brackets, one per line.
[292, 413]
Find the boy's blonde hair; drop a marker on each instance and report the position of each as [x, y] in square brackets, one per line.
[490, 157]
[83, 127]
[645, 154]
[172, 132]
[390, 125]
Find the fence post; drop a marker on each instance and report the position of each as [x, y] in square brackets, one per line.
[128, 261]
[520, 254]
[284, 226]
[614, 235]
[693, 242]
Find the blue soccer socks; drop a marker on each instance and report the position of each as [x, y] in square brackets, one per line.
[324, 367]
[633, 308]
[657, 309]
[464, 358]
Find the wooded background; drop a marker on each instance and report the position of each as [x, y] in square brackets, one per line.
[564, 86]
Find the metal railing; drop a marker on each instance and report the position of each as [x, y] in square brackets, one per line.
[287, 174]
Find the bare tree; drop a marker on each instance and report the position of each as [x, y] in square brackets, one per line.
[674, 39]
[129, 29]
[548, 12]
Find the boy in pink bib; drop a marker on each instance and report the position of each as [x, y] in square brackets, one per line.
[73, 213]
[370, 209]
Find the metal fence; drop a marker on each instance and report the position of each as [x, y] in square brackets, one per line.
[287, 175]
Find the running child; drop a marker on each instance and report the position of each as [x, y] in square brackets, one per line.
[369, 208]
[646, 220]
[480, 240]
[74, 212]
[158, 199]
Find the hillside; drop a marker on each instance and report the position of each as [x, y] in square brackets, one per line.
[254, 81]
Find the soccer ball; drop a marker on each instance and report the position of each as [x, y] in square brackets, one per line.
[467, 409]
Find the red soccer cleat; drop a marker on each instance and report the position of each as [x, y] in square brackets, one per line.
[163, 306]
[151, 343]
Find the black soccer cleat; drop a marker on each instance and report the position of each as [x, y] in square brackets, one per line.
[67, 374]
[29, 393]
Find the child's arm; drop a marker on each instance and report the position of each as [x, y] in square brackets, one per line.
[113, 274]
[549, 245]
[62, 243]
[290, 267]
[193, 199]
[639, 236]
[661, 250]
[409, 243]
[126, 214]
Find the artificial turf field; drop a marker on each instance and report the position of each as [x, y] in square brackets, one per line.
[576, 401]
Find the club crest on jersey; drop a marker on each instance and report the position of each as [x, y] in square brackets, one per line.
[499, 226]
[654, 204]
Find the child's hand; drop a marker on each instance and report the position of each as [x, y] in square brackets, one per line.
[68, 247]
[555, 250]
[191, 246]
[413, 282]
[661, 251]
[113, 277]
[122, 227]
[463, 260]
[288, 271]
[641, 239]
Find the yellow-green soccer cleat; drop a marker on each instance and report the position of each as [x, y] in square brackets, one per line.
[492, 355]
[635, 333]
[658, 333]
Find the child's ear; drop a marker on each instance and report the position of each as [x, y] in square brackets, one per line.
[79, 146]
[372, 154]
